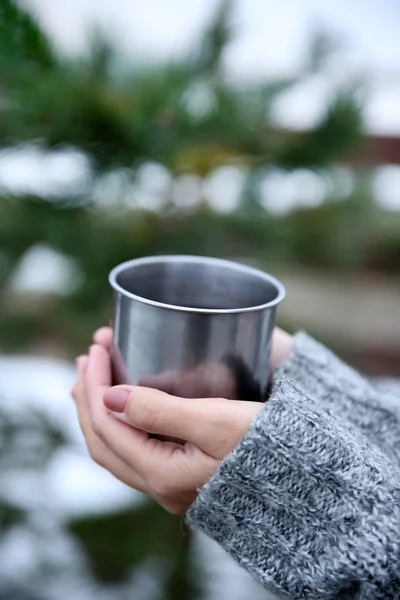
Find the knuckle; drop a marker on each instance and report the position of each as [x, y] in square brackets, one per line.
[97, 425]
[165, 489]
[96, 452]
[162, 485]
[146, 417]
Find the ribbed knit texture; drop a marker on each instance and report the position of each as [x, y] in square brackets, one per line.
[309, 502]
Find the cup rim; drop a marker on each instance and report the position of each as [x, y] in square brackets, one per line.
[184, 258]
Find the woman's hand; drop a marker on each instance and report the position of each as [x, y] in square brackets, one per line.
[169, 472]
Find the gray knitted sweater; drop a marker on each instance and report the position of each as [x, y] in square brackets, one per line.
[309, 501]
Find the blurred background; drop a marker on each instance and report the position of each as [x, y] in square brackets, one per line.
[264, 132]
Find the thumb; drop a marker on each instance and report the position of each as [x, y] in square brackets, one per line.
[213, 424]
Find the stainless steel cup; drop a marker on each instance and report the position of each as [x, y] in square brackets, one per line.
[194, 326]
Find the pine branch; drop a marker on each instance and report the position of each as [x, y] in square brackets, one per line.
[218, 34]
[23, 45]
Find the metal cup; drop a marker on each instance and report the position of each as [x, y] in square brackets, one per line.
[193, 326]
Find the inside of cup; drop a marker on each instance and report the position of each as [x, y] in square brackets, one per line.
[202, 285]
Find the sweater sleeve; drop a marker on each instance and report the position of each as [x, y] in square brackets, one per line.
[371, 407]
[309, 501]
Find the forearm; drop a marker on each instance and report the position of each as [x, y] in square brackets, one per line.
[309, 502]
[370, 407]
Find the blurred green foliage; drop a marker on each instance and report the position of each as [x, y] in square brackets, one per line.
[158, 537]
[122, 115]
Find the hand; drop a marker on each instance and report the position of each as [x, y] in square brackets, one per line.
[169, 472]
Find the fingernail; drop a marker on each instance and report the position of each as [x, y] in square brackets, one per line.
[115, 399]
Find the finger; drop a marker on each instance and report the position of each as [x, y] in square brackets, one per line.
[170, 473]
[97, 382]
[83, 410]
[105, 458]
[81, 360]
[214, 425]
[163, 466]
[104, 424]
[130, 444]
[81, 364]
[282, 344]
[99, 369]
[97, 449]
[103, 337]
[81, 399]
